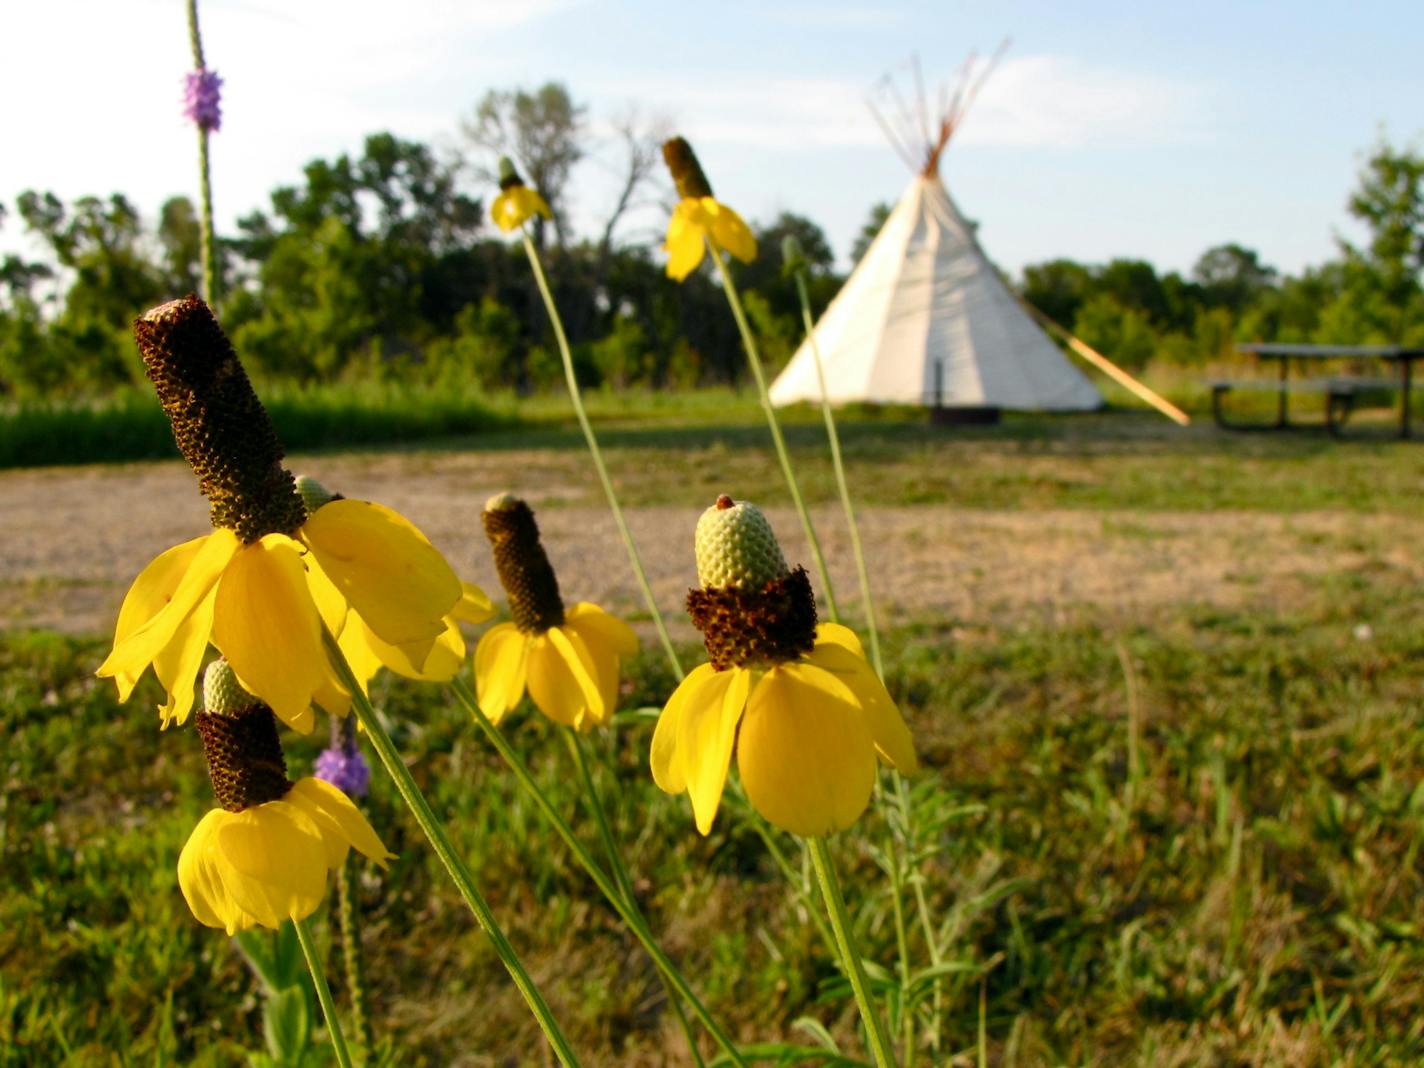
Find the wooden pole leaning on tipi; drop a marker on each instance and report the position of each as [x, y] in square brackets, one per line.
[1107, 367]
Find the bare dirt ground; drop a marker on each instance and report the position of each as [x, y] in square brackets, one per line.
[75, 537]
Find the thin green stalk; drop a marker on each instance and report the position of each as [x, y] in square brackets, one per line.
[922, 906]
[872, 630]
[902, 948]
[596, 453]
[754, 359]
[903, 843]
[595, 872]
[855, 971]
[459, 873]
[205, 186]
[351, 954]
[209, 240]
[620, 873]
[323, 994]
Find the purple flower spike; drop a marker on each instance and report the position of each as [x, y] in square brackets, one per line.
[346, 769]
[202, 99]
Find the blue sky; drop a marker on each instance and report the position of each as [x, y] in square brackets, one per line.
[1150, 130]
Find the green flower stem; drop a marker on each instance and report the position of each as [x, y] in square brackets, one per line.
[898, 862]
[459, 873]
[902, 949]
[754, 358]
[351, 953]
[600, 878]
[596, 453]
[906, 841]
[835, 908]
[208, 239]
[620, 873]
[872, 630]
[323, 994]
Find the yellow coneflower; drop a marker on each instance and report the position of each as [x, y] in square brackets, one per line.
[251, 587]
[567, 659]
[805, 714]
[263, 857]
[699, 217]
[516, 203]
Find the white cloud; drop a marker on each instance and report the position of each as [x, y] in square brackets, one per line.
[1029, 101]
[1054, 102]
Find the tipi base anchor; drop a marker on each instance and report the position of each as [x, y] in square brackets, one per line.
[977, 416]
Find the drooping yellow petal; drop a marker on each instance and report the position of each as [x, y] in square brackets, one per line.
[329, 602]
[685, 240]
[841, 635]
[805, 753]
[385, 568]
[517, 205]
[707, 729]
[604, 660]
[355, 642]
[442, 657]
[501, 668]
[338, 819]
[588, 619]
[138, 649]
[178, 662]
[729, 231]
[554, 688]
[198, 880]
[474, 605]
[272, 861]
[151, 591]
[666, 758]
[887, 727]
[267, 626]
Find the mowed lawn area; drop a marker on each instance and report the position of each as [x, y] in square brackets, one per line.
[1165, 684]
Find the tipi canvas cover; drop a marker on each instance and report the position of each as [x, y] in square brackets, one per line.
[924, 318]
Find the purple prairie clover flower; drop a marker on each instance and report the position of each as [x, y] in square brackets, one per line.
[202, 99]
[345, 768]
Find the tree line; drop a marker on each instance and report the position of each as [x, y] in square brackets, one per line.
[383, 266]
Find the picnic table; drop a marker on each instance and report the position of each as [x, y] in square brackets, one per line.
[1340, 390]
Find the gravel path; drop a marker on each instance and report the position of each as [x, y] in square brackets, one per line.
[75, 537]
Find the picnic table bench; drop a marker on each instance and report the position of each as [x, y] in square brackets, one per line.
[1340, 391]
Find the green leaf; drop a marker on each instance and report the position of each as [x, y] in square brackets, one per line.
[286, 1024]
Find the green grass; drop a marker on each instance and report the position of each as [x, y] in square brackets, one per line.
[131, 426]
[1247, 894]
[1244, 891]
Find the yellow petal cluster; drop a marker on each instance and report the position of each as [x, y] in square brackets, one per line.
[268, 863]
[806, 735]
[517, 205]
[570, 670]
[697, 220]
[263, 606]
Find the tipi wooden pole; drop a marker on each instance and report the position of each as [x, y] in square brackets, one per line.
[1112, 370]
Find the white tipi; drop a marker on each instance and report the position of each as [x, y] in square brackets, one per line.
[925, 319]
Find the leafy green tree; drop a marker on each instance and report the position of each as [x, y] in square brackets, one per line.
[1232, 277]
[180, 232]
[1384, 276]
[1058, 288]
[870, 230]
[1124, 334]
[358, 258]
[101, 246]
